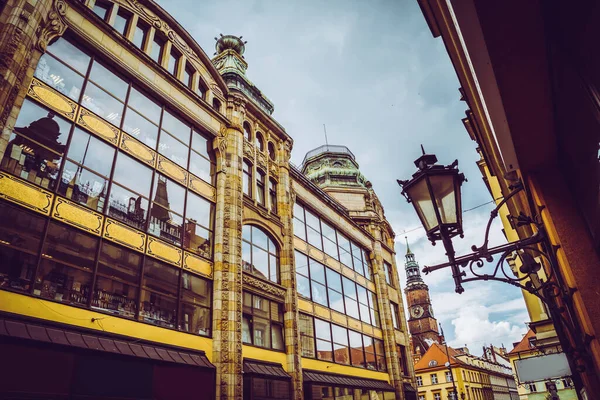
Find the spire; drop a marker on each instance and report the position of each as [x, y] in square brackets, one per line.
[407, 246]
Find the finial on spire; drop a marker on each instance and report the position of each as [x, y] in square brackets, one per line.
[423, 149]
[407, 246]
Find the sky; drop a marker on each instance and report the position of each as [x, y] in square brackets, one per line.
[373, 73]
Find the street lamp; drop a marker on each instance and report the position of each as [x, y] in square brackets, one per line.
[434, 191]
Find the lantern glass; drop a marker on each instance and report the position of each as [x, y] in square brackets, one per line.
[443, 188]
[420, 196]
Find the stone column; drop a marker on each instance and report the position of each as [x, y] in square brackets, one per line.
[27, 28]
[285, 208]
[385, 314]
[227, 284]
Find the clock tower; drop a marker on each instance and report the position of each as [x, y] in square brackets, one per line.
[422, 325]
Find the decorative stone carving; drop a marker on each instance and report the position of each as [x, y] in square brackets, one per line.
[263, 286]
[55, 25]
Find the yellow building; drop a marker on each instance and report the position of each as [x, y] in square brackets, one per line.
[155, 241]
[531, 93]
[440, 370]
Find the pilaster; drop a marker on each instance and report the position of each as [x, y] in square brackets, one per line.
[385, 314]
[227, 290]
[25, 33]
[285, 206]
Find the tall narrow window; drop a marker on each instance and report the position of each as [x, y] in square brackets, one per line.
[259, 254]
[307, 335]
[247, 178]
[260, 187]
[174, 57]
[201, 89]
[217, 105]
[395, 315]
[157, 49]
[188, 75]
[140, 34]
[262, 322]
[122, 21]
[260, 143]
[247, 132]
[271, 150]
[299, 221]
[273, 195]
[101, 9]
[388, 273]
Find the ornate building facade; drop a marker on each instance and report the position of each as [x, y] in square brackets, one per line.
[156, 242]
[422, 325]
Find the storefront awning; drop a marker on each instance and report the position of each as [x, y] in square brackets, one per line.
[321, 378]
[66, 337]
[272, 370]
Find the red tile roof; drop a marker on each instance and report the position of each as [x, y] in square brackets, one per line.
[523, 345]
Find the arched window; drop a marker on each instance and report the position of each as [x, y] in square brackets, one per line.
[271, 150]
[247, 178]
[247, 132]
[259, 253]
[260, 187]
[273, 195]
[260, 143]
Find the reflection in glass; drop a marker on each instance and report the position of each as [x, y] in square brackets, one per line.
[127, 206]
[16, 269]
[159, 294]
[109, 81]
[102, 104]
[277, 337]
[176, 128]
[263, 263]
[121, 21]
[200, 144]
[303, 286]
[307, 334]
[356, 349]
[246, 335]
[60, 77]
[35, 147]
[57, 281]
[195, 305]
[197, 239]
[201, 167]
[173, 149]
[140, 128]
[324, 351]
[83, 187]
[139, 36]
[90, 152]
[199, 210]
[70, 55]
[132, 174]
[261, 332]
[144, 105]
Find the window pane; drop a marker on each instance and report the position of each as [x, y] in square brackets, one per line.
[345, 257]
[83, 187]
[273, 268]
[314, 238]
[57, 281]
[109, 81]
[119, 263]
[352, 308]
[340, 334]
[349, 288]
[139, 37]
[132, 174]
[172, 62]
[176, 127]
[299, 229]
[121, 21]
[305, 326]
[43, 126]
[70, 246]
[277, 337]
[127, 206]
[313, 221]
[336, 301]
[144, 105]
[362, 295]
[16, 269]
[115, 297]
[140, 128]
[198, 210]
[303, 286]
[70, 55]
[157, 47]
[356, 350]
[301, 262]
[159, 300]
[201, 167]
[319, 293]
[103, 104]
[259, 238]
[261, 332]
[200, 144]
[20, 229]
[173, 149]
[341, 354]
[365, 313]
[95, 154]
[322, 329]
[317, 271]
[247, 233]
[59, 76]
[330, 248]
[195, 306]
[246, 336]
[334, 280]
[165, 224]
[101, 9]
[324, 351]
[260, 262]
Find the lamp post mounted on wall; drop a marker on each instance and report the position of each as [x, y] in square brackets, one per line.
[434, 191]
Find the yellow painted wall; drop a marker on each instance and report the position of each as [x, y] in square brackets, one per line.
[56, 312]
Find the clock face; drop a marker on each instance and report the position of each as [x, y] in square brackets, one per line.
[416, 311]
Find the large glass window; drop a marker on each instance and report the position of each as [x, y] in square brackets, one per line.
[36, 146]
[262, 323]
[198, 225]
[159, 293]
[20, 238]
[195, 302]
[340, 345]
[309, 227]
[65, 273]
[259, 253]
[166, 212]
